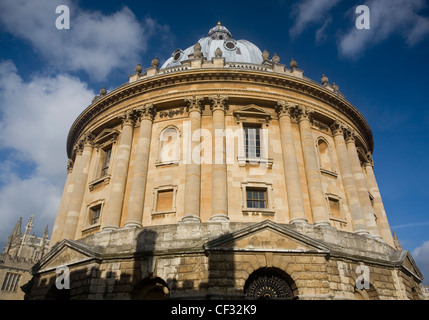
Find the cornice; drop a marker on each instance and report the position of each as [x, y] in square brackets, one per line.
[192, 76]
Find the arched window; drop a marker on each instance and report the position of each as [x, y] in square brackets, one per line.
[169, 146]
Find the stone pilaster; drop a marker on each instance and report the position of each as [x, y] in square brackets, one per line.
[290, 164]
[80, 176]
[120, 172]
[219, 168]
[352, 196]
[138, 186]
[193, 167]
[362, 188]
[312, 170]
[57, 231]
[384, 227]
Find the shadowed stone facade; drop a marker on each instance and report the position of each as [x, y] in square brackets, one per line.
[223, 175]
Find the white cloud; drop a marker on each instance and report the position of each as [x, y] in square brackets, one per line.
[388, 17]
[95, 43]
[421, 257]
[35, 117]
[311, 12]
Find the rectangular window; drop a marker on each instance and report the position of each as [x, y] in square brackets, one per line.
[256, 198]
[95, 215]
[252, 141]
[106, 161]
[165, 201]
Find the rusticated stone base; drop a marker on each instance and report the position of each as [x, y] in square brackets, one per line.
[221, 260]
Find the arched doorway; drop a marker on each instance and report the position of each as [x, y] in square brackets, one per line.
[150, 289]
[269, 284]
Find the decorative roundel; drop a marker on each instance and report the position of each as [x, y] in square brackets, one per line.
[177, 54]
[230, 45]
[268, 288]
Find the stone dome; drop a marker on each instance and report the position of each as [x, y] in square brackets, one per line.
[241, 51]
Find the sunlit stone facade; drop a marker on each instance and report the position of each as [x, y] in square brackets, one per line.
[223, 174]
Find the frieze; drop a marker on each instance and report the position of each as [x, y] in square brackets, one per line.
[171, 113]
[168, 80]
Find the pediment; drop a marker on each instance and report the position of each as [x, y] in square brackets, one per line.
[409, 264]
[252, 111]
[65, 253]
[266, 236]
[105, 136]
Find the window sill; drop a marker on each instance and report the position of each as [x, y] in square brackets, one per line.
[169, 163]
[255, 162]
[163, 213]
[258, 212]
[105, 179]
[329, 173]
[338, 220]
[90, 229]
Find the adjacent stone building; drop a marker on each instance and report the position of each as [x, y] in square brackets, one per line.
[223, 174]
[19, 255]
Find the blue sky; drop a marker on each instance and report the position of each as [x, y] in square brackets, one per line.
[49, 76]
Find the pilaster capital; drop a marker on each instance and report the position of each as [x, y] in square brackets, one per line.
[284, 108]
[128, 118]
[304, 112]
[146, 112]
[219, 102]
[195, 103]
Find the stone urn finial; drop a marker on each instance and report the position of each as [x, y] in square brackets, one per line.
[155, 62]
[276, 58]
[293, 64]
[336, 87]
[325, 80]
[197, 51]
[138, 69]
[103, 91]
[266, 55]
[218, 53]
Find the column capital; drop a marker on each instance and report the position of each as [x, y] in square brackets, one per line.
[370, 160]
[337, 128]
[128, 118]
[219, 102]
[146, 112]
[304, 112]
[195, 103]
[86, 141]
[350, 135]
[284, 108]
[70, 165]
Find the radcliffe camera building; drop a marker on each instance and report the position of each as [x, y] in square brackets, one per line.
[223, 174]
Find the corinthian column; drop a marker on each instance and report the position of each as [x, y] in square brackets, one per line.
[80, 176]
[120, 173]
[384, 228]
[57, 231]
[314, 181]
[290, 164]
[367, 210]
[193, 166]
[138, 186]
[219, 167]
[352, 196]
